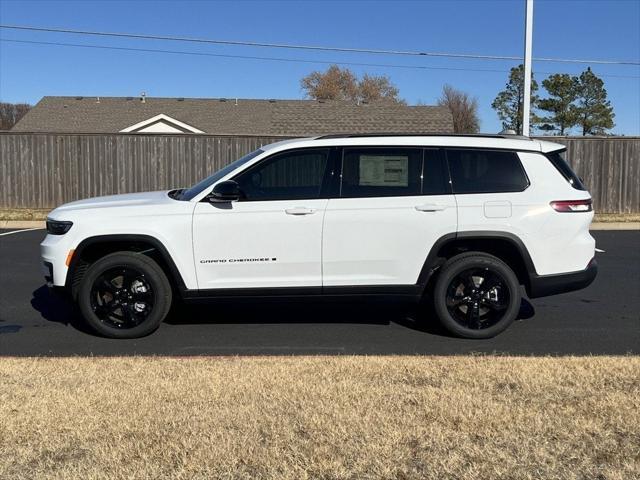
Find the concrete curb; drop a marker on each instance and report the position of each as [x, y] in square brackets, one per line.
[594, 226]
[615, 226]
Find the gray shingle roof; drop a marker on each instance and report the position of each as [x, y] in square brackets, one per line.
[231, 117]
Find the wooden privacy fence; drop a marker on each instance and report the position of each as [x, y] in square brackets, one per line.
[43, 170]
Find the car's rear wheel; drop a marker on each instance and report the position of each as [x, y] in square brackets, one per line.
[476, 295]
[124, 295]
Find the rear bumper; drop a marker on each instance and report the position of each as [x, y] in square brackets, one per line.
[545, 285]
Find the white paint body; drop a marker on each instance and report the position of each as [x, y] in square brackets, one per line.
[339, 241]
[258, 230]
[382, 241]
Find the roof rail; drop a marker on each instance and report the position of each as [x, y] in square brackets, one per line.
[472, 135]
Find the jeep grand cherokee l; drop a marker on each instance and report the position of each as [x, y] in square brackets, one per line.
[462, 222]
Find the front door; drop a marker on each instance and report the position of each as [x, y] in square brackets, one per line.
[393, 204]
[272, 237]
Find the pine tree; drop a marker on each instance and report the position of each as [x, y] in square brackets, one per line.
[595, 113]
[563, 91]
[509, 102]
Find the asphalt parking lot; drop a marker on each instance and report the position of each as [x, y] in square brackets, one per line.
[602, 319]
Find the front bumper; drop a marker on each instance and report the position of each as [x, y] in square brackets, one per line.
[54, 250]
[57, 290]
[545, 285]
[47, 270]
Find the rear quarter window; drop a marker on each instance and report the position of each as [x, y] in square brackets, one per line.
[559, 161]
[486, 171]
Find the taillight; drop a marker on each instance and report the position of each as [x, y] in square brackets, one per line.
[572, 205]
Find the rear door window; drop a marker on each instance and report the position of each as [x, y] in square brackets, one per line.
[435, 177]
[381, 172]
[485, 171]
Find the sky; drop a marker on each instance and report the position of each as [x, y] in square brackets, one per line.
[577, 29]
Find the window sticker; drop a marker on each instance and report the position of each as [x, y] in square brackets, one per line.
[384, 170]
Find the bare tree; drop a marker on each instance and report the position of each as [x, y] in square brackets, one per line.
[342, 84]
[372, 88]
[334, 84]
[11, 113]
[463, 108]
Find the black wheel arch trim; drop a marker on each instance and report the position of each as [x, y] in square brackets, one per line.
[433, 261]
[139, 238]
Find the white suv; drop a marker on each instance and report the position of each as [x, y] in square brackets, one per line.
[459, 221]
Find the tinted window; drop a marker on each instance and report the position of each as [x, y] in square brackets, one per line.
[435, 178]
[558, 161]
[381, 172]
[486, 171]
[207, 182]
[286, 176]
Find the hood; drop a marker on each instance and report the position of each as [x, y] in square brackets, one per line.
[124, 200]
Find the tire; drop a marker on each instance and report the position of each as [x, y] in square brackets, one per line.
[464, 307]
[124, 295]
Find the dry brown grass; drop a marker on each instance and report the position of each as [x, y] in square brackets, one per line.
[24, 214]
[616, 217]
[321, 418]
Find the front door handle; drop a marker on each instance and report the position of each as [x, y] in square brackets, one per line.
[430, 207]
[299, 211]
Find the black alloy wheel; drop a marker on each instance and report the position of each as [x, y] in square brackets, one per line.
[476, 295]
[477, 298]
[122, 297]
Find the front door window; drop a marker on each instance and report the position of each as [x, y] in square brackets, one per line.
[288, 176]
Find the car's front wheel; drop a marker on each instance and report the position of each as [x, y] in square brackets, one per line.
[476, 295]
[124, 295]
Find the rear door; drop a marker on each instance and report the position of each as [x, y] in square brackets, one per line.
[391, 204]
[272, 236]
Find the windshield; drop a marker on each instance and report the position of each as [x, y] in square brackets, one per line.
[190, 193]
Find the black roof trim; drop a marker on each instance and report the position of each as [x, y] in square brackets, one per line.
[471, 135]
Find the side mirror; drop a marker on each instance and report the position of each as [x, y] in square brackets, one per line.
[227, 191]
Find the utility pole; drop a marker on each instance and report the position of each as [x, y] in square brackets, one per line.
[528, 44]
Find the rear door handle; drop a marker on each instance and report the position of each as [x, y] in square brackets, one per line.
[430, 207]
[300, 211]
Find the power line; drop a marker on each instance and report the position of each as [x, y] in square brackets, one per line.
[275, 59]
[312, 47]
[246, 57]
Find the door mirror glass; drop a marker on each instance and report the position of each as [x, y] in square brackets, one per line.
[227, 191]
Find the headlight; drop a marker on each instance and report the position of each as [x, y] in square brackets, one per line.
[58, 227]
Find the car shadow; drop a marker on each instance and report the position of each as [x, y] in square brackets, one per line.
[421, 319]
[58, 309]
